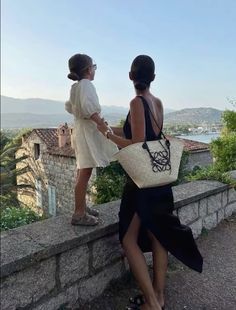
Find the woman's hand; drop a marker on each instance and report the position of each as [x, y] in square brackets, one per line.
[103, 126]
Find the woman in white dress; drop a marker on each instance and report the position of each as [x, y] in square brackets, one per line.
[92, 149]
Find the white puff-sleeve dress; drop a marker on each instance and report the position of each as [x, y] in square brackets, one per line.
[92, 149]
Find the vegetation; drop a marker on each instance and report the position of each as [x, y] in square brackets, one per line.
[109, 183]
[224, 153]
[13, 213]
[12, 217]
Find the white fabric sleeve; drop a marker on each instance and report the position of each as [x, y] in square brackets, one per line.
[68, 104]
[88, 99]
[68, 107]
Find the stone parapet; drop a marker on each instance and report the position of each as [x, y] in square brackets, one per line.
[51, 264]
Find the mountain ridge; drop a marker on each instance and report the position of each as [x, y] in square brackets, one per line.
[38, 112]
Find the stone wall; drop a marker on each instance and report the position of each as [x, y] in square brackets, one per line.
[51, 264]
[198, 158]
[64, 183]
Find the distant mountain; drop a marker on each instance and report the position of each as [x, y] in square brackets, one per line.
[36, 112]
[194, 116]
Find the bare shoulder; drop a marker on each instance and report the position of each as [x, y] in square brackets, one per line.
[135, 102]
[158, 103]
[136, 109]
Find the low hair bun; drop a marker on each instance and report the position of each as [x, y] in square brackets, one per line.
[140, 85]
[73, 76]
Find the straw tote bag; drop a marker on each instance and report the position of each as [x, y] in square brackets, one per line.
[152, 163]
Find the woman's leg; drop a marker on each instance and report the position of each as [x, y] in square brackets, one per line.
[82, 179]
[160, 263]
[138, 264]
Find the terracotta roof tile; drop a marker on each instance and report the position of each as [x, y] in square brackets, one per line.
[50, 138]
[48, 135]
[66, 151]
[191, 146]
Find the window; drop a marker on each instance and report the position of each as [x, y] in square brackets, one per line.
[38, 187]
[36, 150]
[52, 200]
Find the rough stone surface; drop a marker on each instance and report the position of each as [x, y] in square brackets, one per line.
[196, 227]
[214, 203]
[93, 287]
[220, 215]
[105, 251]
[224, 198]
[188, 213]
[74, 265]
[210, 221]
[230, 209]
[66, 299]
[193, 191]
[27, 286]
[231, 195]
[203, 207]
[52, 236]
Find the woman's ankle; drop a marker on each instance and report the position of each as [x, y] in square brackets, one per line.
[160, 296]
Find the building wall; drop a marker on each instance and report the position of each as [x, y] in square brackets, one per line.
[37, 172]
[53, 177]
[198, 158]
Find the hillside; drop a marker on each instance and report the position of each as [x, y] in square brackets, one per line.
[35, 112]
[194, 116]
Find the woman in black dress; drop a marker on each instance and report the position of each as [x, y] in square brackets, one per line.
[146, 220]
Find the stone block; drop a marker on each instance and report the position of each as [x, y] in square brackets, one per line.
[196, 227]
[94, 286]
[214, 203]
[105, 251]
[188, 213]
[203, 207]
[74, 265]
[210, 221]
[224, 198]
[220, 215]
[64, 300]
[230, 209]
[28, 286]
[231, 195]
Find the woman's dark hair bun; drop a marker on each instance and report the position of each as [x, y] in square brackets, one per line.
[73, 76]
[143, 71]
[141, 85]
[78, 63]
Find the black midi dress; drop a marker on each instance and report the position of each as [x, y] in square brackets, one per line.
[155, 206]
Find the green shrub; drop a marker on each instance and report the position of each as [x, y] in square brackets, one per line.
[12, 217]
[224, 152]
[109, 183]
[182, 168]
[211, 173]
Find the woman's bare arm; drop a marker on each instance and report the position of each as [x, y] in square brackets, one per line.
[137, 126]
[118, 131]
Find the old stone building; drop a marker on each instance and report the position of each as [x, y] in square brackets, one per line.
[51, 159]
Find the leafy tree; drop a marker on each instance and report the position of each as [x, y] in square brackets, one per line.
[9, 172]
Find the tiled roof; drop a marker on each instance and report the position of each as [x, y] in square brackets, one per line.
[66, 151]
[193, 146]
[50, 138]
[48, 135]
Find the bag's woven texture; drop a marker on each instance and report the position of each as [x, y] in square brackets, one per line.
[137, 163]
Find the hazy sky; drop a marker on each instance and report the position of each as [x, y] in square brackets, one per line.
[193, 43]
